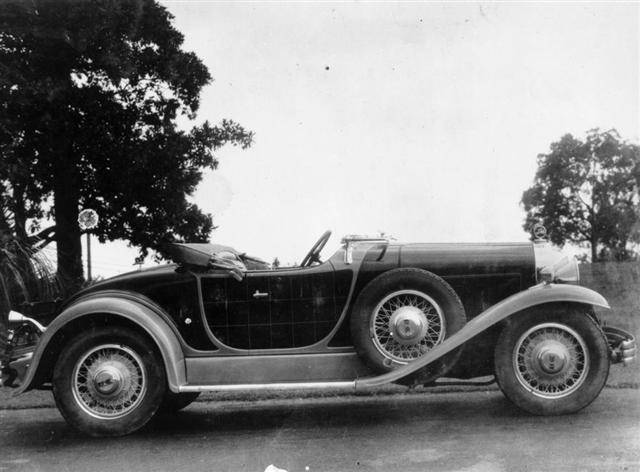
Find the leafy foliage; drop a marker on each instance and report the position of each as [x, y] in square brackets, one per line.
[91, 94]
[587, 193]
[26, 275]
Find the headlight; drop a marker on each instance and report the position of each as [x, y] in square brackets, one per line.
[554, 267]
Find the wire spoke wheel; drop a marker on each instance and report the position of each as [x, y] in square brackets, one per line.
[551, 360]
[109, 381]
[406, 324]
[402, 315]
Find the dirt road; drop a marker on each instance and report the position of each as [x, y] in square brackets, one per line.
[477, 431]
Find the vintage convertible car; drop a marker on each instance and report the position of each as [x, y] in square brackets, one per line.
[375, 312]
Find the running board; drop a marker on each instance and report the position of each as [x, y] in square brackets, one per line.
[338, 384]
[268, 386]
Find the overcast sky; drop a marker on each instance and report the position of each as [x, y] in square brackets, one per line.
[420, 120]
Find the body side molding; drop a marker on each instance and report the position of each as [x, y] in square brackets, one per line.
[122, 305]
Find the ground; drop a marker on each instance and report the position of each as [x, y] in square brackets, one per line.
[462, 431]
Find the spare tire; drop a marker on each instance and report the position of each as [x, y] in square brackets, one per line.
[402, 314]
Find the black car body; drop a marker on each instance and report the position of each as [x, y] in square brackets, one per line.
[374, 312]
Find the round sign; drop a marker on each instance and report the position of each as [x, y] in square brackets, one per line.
[88, 219]
[539, 231]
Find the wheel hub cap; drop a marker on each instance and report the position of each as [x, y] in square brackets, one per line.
[551, 360]
[552, 357]
[108, 381]
[408, 324]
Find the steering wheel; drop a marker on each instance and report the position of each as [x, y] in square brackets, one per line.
[314, 254]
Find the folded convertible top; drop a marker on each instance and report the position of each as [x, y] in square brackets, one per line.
[199, 254]
[209, 256]
[214, 256]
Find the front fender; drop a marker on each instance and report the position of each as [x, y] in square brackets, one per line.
[120, 305]
[537, 295]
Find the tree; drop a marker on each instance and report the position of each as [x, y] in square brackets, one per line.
[586, 192]
[91, 94]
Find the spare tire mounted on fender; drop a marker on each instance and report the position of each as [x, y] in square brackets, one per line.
[400, 316]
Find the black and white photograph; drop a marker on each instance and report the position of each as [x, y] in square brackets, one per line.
[319, 236]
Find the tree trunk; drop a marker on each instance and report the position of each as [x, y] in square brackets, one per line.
[594, 233]
[68, 236]
[5, 306]
[5, 227]
[19, 214]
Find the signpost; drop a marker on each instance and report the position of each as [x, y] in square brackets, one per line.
[87, 220]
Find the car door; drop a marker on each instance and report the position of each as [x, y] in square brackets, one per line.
[272, 309]
[290, 308]
[238, 312]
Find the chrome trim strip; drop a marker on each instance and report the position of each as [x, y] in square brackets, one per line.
[15, 317]
[267, 386]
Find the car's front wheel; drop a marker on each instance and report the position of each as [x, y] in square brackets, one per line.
[109, 382]
[552, 363]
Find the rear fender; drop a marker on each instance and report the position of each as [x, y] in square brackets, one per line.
[123, 305]
[537, 295]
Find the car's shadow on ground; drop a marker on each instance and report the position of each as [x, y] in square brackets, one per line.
[216, 418]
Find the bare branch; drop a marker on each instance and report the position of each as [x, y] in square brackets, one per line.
[45, 234]
[44, 242]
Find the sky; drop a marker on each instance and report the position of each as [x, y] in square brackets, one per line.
[420, 120]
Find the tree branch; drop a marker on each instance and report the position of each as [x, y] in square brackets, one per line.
[44, 242]
[46, 234]
[589, 207]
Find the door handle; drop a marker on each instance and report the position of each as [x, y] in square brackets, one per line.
[259, 294]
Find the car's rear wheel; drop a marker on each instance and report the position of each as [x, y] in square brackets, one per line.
[109, 382]
[403, 314]
[552, 363]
